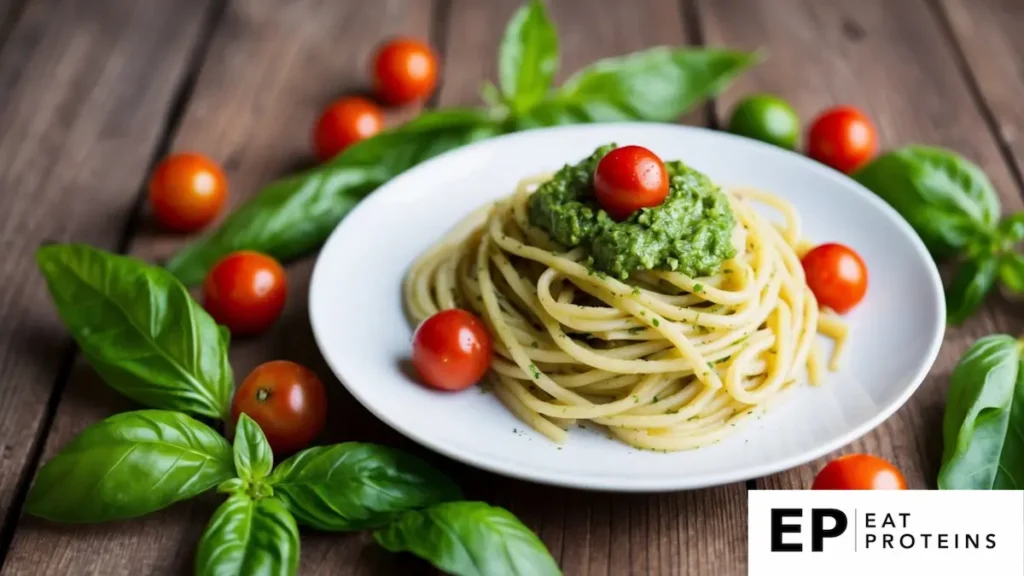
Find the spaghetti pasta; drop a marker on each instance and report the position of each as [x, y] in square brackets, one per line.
[663, 361]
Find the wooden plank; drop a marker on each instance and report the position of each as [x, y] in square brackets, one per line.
[84, 94]
[595, 533]
[892, 60]
[270, 69]
[10, 11]
[988, 33]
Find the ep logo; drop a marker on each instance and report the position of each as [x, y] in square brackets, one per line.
[857, 532]
[788, 526]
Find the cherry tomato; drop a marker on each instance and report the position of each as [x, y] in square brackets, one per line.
[451, 350]
[842, 138]
[628, 179]
[187, 191]
[766, 118]
[344, 123]
[859, 472]
[287, 400]
[245, 291]
[837, 275]
[404, 70]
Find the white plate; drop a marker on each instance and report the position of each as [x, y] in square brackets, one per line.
[356, 312]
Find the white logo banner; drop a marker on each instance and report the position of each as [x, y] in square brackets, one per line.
[815, 532]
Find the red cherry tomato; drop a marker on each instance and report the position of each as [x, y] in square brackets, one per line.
[187, 191]
[859, 472]
[451, 350]
[245, 291]
[404, 70]
[842, 138]
[344, 123]
[287, 400]
[628, 179]
[837, 275]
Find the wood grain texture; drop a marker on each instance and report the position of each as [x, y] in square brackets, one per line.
[84, 90]
[270, 69]
[988, 33]
[10, 11]
[596, 533]
[892, 60]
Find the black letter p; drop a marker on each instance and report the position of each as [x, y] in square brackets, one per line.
[818, 532]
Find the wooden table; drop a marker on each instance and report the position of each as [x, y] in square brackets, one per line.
[92, 92]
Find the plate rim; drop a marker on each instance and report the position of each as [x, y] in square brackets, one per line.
[659, 484]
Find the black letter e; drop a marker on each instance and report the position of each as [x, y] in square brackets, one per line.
[778, 529]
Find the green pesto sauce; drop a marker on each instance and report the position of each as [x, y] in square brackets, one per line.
[689, 232]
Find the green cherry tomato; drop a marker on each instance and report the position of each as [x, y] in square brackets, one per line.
[767, 118]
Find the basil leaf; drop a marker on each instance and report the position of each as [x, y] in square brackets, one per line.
[970, 284]
[1011, 228]
[947, 199]
[253, 458]
[288, 218]
[1011, 272]
[469, 539]
[657, 85]
[353, 486]
[293, 216]
[128, 465]
[983, 443]
[232, 486]
[140, 329]
[490, 95]
[528, 57]
[247, 536]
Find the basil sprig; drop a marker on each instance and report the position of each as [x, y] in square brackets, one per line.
[251, 532]
[129, 465]
[140, 329]
[983, 448]
[293, 216]
[469, 539]
[955, 210]
[135, 463]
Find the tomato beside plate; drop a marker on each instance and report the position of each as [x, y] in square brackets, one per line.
[843, 138]
[245, 291]
[345, 122]
[287, 400]
[404, 70]
[859, 472]
[187, 191]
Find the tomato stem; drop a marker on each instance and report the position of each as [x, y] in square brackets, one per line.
[262, 394]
